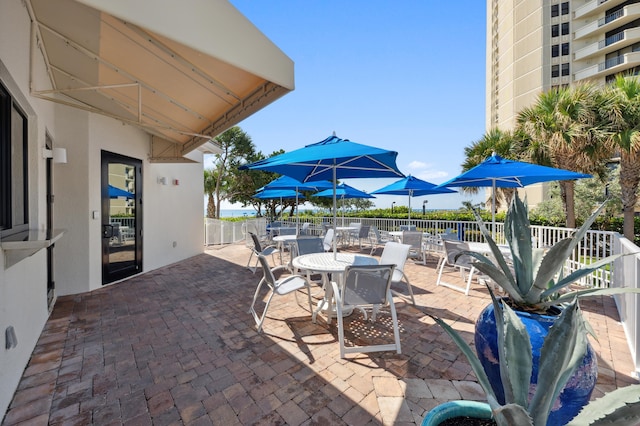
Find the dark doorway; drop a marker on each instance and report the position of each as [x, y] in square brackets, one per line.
[121, 217]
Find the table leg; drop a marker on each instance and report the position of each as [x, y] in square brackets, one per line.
[327, 303]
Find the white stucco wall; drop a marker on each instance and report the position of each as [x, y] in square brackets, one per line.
[171, 213]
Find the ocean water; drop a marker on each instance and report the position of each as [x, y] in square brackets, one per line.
[237, 212]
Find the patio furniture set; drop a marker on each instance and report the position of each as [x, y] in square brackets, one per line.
[351, 281]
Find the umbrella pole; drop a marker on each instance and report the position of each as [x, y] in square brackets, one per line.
[493, 210]
[335, 214]
[410, 193]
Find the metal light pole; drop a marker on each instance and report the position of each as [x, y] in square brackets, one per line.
[392, 204]
[424, 209]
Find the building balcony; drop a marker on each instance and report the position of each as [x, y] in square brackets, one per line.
[609, 22]
[595, 7]
[609, 44]
[610, 66]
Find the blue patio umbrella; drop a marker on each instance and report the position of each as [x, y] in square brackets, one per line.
[498, 172]
[274, 194]
[286, 182]
[331, 159]
[115, 192]
[343, 191]
[413, 187]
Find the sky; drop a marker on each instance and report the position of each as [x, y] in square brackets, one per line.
[405, 75]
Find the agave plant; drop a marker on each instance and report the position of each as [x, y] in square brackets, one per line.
[530, 279]
[562, 352]
[534, 281]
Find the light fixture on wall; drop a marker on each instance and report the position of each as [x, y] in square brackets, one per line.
[59, 155]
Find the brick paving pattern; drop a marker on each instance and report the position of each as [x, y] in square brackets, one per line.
[178, 346]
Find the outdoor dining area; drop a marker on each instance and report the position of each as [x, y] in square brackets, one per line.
[179, 345]
[299, 324]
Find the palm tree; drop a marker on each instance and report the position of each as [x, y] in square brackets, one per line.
[565, 131]
[209, 189]
[622, 110]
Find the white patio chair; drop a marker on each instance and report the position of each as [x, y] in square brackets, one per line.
[462, 263]
[286, 285]
[305, 228]
[366, 287]
[414, 240]
[307, 245]
[257, 249]
[353, 233]
[433, 246]
[397, 254]
[328, 240]
[363, 234]
[379, 239]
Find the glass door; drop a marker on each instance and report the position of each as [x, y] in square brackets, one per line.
[51, 285]
[121, 217]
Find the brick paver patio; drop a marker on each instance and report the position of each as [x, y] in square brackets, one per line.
[178, 346]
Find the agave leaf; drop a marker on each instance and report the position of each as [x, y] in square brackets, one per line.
[619, 407]
[512, 414]
[495, 251]
[576, 275]
[537, 255]
[557, 255]
[589, 292]
[498, 276]
[551, 263]
[504, 371]
[562, 352]
[515, 349]
[517, 231]
[476, 365]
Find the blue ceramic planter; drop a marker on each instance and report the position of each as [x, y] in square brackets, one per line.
[451, 409]
[576, 392]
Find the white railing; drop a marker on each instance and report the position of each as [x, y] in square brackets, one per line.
[124, 221]
[626, 273]
[227, 232]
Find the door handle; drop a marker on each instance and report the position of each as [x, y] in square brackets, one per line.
[107, 231]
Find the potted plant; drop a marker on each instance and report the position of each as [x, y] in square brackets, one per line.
[561, 354]
[536, 304]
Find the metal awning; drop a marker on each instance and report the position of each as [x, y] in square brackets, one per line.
[184, 71]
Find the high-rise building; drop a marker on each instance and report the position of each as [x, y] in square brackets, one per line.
[535, 45]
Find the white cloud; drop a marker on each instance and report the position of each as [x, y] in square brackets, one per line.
[430, 175]
[417, 165]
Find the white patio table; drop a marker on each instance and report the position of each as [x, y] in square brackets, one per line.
[325, 264]
[485, 249]
[283, 242]
[344, 232]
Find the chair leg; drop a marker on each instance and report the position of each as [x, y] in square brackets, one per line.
[260, 319]
[406, 278]
[253, 302]
[337, 296]
[471, 272]
[394, 317]
[249, 263]
[440, 270]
